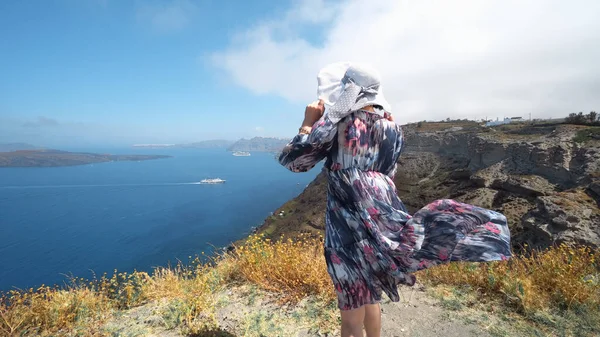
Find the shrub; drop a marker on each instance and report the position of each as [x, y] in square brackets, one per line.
[587, 134]
[559, 277]
[581, 119]
[294, 269]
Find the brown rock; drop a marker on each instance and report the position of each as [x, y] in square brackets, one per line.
[524, 185]
[482, 197]
[566, 217]
[594, 191]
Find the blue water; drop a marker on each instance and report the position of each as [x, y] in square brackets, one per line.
[90, 219]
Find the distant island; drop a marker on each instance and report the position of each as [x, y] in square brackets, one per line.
[53, 158]
[259, 144]
[256, 144]
[206, 144]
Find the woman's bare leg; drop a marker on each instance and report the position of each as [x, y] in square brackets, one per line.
[352, 322]
[373, 320]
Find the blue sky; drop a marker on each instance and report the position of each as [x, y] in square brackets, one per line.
[127, 72]
[108, 72]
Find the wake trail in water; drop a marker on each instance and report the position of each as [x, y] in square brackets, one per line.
[97, 185]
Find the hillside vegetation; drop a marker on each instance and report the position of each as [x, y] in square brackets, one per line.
[555, 292]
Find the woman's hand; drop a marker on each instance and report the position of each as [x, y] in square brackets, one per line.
[313, 112]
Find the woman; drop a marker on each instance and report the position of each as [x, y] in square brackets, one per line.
[372, 244]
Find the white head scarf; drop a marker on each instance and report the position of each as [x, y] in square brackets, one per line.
[347, 87]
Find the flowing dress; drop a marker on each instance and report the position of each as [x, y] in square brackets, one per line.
[372, 243]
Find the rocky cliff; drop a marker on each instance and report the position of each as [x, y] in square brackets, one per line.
[546, 183]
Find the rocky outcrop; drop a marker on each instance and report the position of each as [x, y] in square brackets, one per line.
[545, 183]
[594, 191]
[568, 217]
[553, 156]
[527, 186]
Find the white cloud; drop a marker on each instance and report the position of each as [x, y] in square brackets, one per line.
[165, 17]
[259, 129]
[438, 58]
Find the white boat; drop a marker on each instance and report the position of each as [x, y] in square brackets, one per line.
[241, 154]
[212, 181]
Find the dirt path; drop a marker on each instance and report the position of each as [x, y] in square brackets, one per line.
[425, 316]
[249, 312]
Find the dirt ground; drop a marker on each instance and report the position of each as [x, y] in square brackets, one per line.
[250, 312]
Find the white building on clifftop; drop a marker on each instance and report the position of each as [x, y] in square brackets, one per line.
[506, 120]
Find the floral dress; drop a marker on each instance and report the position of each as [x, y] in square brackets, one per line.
[372, 243]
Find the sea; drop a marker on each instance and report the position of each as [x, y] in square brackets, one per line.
[86, 220]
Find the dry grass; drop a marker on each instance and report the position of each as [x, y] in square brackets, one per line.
[49, 310]
[561, 278]
[191, 295]
[86, 304]
[294, 269]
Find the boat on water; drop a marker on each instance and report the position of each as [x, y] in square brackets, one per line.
[241, 154]
[212, 181]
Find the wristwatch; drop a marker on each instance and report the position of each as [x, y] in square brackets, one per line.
[304, 130]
